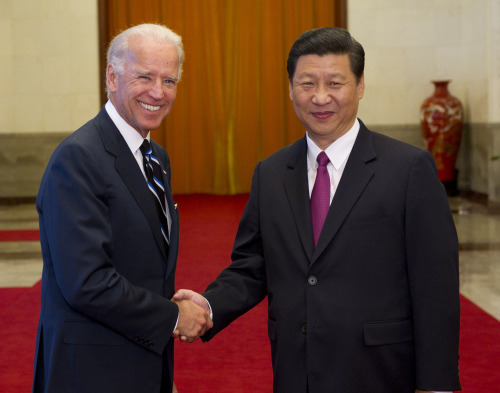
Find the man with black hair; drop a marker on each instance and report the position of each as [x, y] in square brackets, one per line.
[350, 236]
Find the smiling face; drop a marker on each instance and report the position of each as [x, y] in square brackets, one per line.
[325, 96]
[144, 94]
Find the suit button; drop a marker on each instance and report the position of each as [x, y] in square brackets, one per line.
[304, 328]
[312, 280]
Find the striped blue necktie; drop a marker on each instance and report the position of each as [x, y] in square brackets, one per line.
[154, 177]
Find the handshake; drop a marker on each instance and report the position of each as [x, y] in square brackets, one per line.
[194, 315]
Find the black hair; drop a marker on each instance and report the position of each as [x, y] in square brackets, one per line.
[327, 40]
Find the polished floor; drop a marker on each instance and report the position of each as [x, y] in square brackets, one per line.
[478, 231]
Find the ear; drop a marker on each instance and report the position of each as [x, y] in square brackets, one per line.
[111, 76]
[290, 90]
[361, 86]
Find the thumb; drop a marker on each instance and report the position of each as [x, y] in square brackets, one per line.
[180, 294]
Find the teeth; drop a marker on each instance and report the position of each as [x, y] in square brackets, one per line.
[149, 107]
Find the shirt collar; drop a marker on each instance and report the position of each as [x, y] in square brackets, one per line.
[338, 151]
[132, 137]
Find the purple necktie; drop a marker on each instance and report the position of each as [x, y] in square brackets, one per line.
[320, 196]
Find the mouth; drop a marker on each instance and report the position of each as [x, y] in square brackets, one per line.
[322, 115]
[152, 108]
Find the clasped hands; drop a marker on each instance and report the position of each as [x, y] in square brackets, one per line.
[194, 315]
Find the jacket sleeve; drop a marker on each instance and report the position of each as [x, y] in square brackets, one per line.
[432, 258]
[242, 285]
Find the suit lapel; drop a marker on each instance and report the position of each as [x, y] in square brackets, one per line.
[127, 167]
[354, 180]
[297, 192]
[174, 230]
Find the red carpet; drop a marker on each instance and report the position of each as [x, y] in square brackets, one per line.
[238, 359]
[19, 310]
[19, 235]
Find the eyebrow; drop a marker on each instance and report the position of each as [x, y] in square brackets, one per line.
[311, 75]
[147, 73]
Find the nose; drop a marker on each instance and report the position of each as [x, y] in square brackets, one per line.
[321, 96]
[156, 90]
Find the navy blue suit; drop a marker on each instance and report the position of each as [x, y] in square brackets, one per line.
[106, 319]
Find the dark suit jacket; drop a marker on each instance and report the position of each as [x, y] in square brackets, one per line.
[106, 319]
[374, 308]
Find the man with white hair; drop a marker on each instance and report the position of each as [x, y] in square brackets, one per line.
[109, 231]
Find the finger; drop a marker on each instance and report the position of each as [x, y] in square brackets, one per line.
[210, 323]
[193, 339]
[183, 294]
[179, 294]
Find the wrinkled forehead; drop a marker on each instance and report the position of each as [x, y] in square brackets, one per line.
[146, 56]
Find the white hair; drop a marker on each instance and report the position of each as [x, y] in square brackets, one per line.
[119, 46]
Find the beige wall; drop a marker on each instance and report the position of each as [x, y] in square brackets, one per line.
[408, 44]
[48, 65]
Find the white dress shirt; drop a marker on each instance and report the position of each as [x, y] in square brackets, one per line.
[338, 153]
[134, 141]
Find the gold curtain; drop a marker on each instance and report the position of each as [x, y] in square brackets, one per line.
[233, 107]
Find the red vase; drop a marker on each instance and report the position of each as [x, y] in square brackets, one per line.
[441, 117]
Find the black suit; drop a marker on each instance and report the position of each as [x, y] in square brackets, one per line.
[375, 306]
[106, 319]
